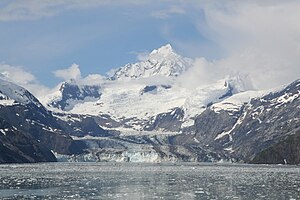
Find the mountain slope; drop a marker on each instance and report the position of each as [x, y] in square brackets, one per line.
[33, 124]
[284, 152]
[130, 105]
[11, 93]
[70, 94]
[20, 147]
[252, 127]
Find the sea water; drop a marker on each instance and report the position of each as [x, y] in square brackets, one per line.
[148, 181]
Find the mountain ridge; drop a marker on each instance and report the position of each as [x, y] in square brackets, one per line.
[149, 117]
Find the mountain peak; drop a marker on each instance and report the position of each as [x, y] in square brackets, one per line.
[71, 93]
[163, 61]
[164, 50]
[16, 94]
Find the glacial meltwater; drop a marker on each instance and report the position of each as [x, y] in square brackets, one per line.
[148, 181]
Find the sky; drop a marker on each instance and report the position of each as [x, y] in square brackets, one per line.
[45, 42]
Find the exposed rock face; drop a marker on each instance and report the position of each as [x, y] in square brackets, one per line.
[71, 93]
[284, 152]
[267, 120]
[153, 89]
[20, 147]
[257, 126]
[81, 125]
[29, 129]
[41, 125]
[209, 124]
[170, 121]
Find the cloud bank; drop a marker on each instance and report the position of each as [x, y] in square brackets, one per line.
[261, 39]
[16, 74]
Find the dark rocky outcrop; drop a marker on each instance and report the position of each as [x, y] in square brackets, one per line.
[41, 125]
[81, 125]
[257, 126]
[170, 121]
[286, 151]
[20, 147]
[29, 129]
[73, 92]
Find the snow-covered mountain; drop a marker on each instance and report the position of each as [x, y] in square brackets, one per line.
[28, 131]
[161, 62]
[11, 93]
[245, 130]
[70, 94]
[135, 104]
[265, 129]
[143, 113]
[137, 94]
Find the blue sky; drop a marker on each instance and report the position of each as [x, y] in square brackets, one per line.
[252, 37]
[99, 37]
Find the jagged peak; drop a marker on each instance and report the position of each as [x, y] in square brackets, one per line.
[66, 84]
[163, 50]
[162, 61]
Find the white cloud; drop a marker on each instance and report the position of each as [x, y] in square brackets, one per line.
[71, 73]
[19, 76]
[259, 39]
[92, 79]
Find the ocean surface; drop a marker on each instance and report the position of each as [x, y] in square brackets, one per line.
[148, 181]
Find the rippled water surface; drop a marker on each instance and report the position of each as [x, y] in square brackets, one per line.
[148, 181]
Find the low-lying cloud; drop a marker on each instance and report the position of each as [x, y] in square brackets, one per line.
[17, 74]
[73, 73]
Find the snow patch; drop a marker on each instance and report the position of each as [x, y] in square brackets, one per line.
[3, 132]
[229, 133]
